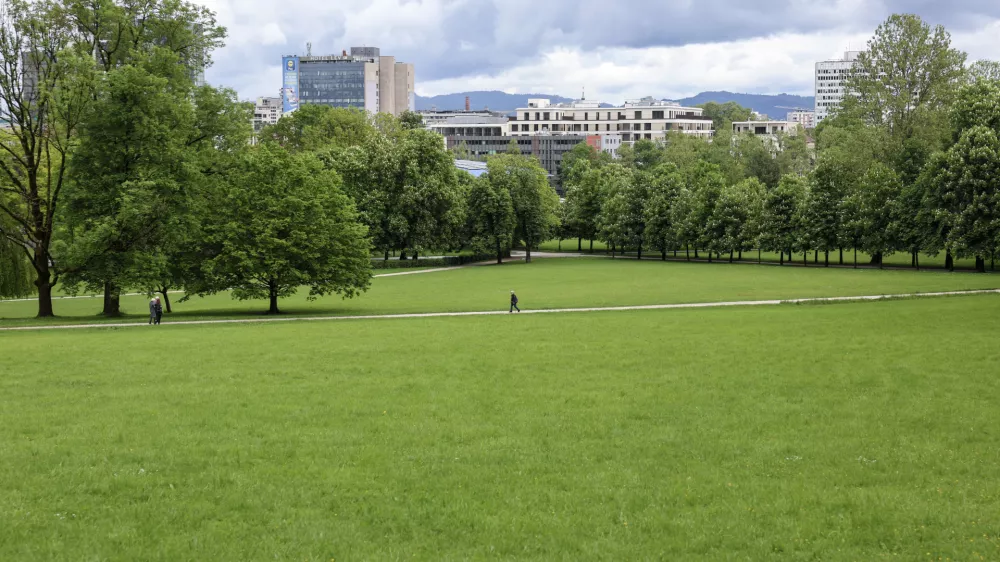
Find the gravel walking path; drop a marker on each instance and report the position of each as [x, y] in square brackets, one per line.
[504, 312]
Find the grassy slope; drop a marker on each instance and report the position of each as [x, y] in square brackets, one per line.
[552, 283]
[846, 432]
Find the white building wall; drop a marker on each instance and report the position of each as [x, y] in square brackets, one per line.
[829, 84]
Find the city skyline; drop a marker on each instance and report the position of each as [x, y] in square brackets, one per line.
[559, 48]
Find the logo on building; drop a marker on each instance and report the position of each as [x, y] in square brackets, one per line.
[290, 64]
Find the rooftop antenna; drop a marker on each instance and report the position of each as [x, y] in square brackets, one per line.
[583, 94]
[309, 49]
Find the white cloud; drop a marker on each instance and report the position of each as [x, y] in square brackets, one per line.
[562, 46]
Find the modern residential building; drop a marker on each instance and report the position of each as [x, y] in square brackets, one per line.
[830, 78]
[645, 118]
[762, 128]
[460, 125]
[363, 79]
[266, 111]
[805, 118]
[548, 149]
[435, 116]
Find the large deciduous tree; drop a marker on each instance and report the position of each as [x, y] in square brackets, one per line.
[491, 219]
[281, 222]
[666, 185]
[778, 226]
[623, 218]
[532, 197]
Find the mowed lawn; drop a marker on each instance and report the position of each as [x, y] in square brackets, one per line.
[546, 283]
[856, 431]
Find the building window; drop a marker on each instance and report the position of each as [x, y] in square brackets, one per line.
[586, 116]
[647, 126]
[536, 116]
[607, 127]
[586, 126]
[536, 127]
[626, 136]
[609, 116]
[638, 115]
[637, 127]
[649, 136]
[657, 115]
[527, 116]
[546, 115]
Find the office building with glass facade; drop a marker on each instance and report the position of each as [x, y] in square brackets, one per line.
[363, 79]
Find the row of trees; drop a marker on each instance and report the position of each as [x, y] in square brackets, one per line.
[118, 172]
[909, 164]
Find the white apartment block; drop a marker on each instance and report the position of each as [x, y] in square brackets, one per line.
[769, 128]
[830, 78]
[266, 111]
[637, 119]
[805, 118]
[470, 126]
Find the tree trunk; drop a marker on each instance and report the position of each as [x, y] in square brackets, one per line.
[781, 260]
[591, 245]
[877, 259]
[663, 254]
[980, 264]
[826, 258]
[916, 257]
[527, 253]
[758, 256]
[166, 298]
[710, 252]
[805, 259]
[913, 259]
[415, 254]
[272, 289]
[579, 244]
[402, 254]
[695, 252]
[387, 254]
[499, 253]
[687, 252]
[740, 257]
[730, 256]
[841, 255]
[816, 257]
[855, 258]
[638, 254]
[112, 301]
[560, 244]
[43, 282]
[949, 261]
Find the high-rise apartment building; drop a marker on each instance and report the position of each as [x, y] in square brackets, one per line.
[266, 111]
[363, 79]
[805, 118]
[830, 78]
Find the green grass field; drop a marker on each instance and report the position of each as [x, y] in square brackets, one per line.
[798, 432]
[546, 283]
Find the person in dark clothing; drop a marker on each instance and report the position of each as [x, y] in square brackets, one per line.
[152, 311]
[513, 302]
[159, 310]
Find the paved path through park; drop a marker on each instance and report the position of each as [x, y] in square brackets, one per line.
[526, 311]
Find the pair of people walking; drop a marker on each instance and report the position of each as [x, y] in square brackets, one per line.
[155, 311]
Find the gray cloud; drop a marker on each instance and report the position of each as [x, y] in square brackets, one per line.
[449, 39]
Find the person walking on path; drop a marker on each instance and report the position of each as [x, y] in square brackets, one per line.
[513, 302]
[158, 310]
[152, 312]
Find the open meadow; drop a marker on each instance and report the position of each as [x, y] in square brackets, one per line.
[852, 431]
[546, 283]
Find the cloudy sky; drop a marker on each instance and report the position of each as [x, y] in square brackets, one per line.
[615, 49]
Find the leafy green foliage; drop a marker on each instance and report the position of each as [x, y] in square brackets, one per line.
[534, 201]
[281, 222]
[724, 114]
[491, 219]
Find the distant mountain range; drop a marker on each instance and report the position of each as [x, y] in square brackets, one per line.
[773, 106]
